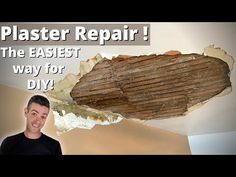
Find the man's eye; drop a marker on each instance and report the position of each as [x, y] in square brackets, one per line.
[33, 114]
[43, 117]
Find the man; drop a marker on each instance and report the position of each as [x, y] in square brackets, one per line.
[32, 141]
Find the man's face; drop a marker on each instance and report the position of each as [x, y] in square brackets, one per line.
[36, 116]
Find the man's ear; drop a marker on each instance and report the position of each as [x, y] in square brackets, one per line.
[26, 111]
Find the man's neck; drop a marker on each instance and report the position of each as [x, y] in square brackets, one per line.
[31, 135]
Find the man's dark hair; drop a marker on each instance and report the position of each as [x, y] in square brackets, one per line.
[43, 101]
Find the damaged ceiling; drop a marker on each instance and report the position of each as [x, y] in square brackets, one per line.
[153, 86]
[147, 87]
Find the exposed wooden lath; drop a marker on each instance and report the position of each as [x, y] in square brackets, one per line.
[152, 87]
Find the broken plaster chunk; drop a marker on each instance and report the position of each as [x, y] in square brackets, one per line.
[219, 53]
[70, 116]
[62, 89]
[70, 121]
[86, 66]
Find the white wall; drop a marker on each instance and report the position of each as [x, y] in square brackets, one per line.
[217, 143]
